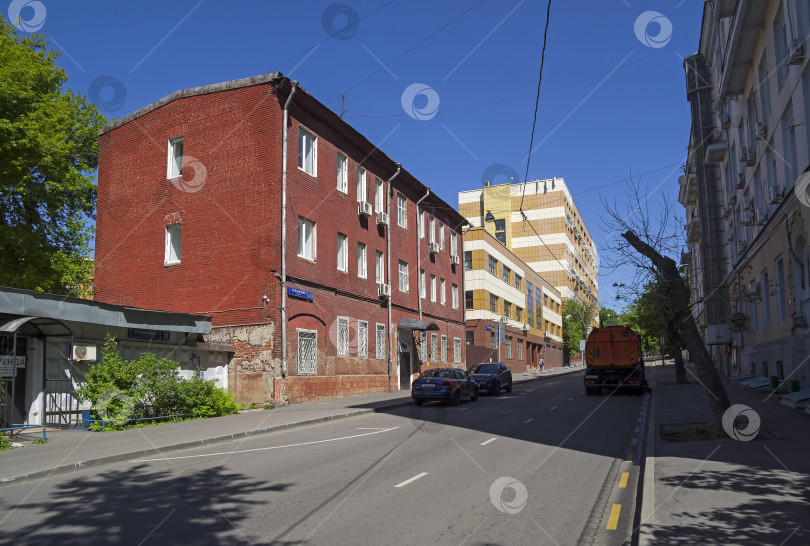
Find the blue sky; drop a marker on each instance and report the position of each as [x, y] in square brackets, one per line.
[612, 102]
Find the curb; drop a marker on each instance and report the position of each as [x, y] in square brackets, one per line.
[646, 526]
[101, 461]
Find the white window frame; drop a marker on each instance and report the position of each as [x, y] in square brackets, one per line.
[342, 252]
[313, 368]
[302, 250]
[432, 228]
[379, 195]
[343, 335]
[174, 164]
[454, 295]
[402, 211]
[362, 192]
[380, 341]
[342, 173]
[453, 244]
[303, 134]
[444, 348]
[421, 224]
[441, 236]
[379, 266]
[432, 288]
[173, 252]
[362, 341]
[442, 292]
[422, 287]
[403, 276]
[457, 350]
[362, 270]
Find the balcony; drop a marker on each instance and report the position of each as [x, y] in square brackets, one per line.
[716, 152]
[746, 25]
[693, 230]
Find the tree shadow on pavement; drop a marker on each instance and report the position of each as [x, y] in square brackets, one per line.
[774, 508]
[140, 505]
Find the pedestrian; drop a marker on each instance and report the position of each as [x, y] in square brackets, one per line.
[542, 364]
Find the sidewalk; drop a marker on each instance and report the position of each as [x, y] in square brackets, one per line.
[724, 491]
[70, 450]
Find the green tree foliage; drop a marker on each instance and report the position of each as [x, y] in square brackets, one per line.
[608, 317]
[48, 154]
[645, 315]
[149, 387]
[577, 316]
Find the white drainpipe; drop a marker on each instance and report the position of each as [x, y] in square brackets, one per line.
[284, 230]
[390, 194]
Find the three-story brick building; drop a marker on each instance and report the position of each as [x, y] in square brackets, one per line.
[253, 203]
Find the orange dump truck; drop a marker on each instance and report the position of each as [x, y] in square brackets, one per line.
[614, 360]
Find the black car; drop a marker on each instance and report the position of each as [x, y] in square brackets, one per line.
[444, 384]
[492, 377]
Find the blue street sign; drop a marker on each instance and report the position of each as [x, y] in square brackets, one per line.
[298, 293]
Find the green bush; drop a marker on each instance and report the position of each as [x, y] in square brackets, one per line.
[5, 443]
[146, 388]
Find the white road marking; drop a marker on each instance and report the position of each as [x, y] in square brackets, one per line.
[461, 409]
[570, 399]
[370, 428]
[553, 408]
[406, 482]
[489, 441]
[528, 420]
[263, 448]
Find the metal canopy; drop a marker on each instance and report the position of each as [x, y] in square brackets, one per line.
[36, 326]
[408, 323]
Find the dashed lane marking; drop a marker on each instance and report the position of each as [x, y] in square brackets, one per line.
[553, 408]
[570, 399]
[488, 441]
[613, 522]
[623, 481]
[406, 482]
[528, 420]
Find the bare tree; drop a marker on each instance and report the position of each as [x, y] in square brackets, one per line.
[645, 243]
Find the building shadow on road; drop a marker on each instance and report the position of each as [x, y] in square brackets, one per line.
[139, 505]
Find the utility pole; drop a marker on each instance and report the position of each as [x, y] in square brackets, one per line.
[342, 105]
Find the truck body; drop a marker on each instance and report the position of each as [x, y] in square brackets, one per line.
[614, 360]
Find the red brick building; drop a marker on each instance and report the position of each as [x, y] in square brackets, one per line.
[192, 190]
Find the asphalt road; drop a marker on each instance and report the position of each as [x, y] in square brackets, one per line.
[545, 464]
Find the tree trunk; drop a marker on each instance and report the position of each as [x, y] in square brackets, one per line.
[674, 340]
[685, 322]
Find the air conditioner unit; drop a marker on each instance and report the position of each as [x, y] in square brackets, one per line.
[504, 320]
[83, 352]
[385, 290]
[775, 194]
[762, 132]
[525, 328]
[740, 180]
[743, 154]
[364, 209]
[725, 121]
[382, 218]
[433, 248]
[751, 157]
[454, 259]
[762, 215]
[726, 211]
[795, 52]
[547, 333]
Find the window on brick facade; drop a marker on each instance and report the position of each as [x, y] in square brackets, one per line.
[470, 337]
[423, 346]
[433, 288]
[172, 254]
[468, 260]
[444, 348]
[441, 236]
[307, 351]
[362, 338]
[381, 345]
[457, 350]
[379, 261]
[442, 290]
[342, 252]
[175, 165]
[453, 244]
[379, 196]
[434, 347]
[361, 184]
[507, 344]
[342, 173]
[307, 151]
[402, 211]
[422, 287]
[507, 309]
[432, 228]
[343, 336]
[520, 349]
[306, 238]
[454, 295]
[421, 215]
[361, 260]
[468, 299]
[403, 276]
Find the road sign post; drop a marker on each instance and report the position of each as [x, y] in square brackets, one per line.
[582, 351]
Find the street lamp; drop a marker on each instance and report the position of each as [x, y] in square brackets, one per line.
[489, 217]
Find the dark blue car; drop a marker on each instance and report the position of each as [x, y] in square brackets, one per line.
[444, 384]
[492, 377]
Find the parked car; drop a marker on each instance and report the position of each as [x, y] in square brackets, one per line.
[492, 377]
[444, 384]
